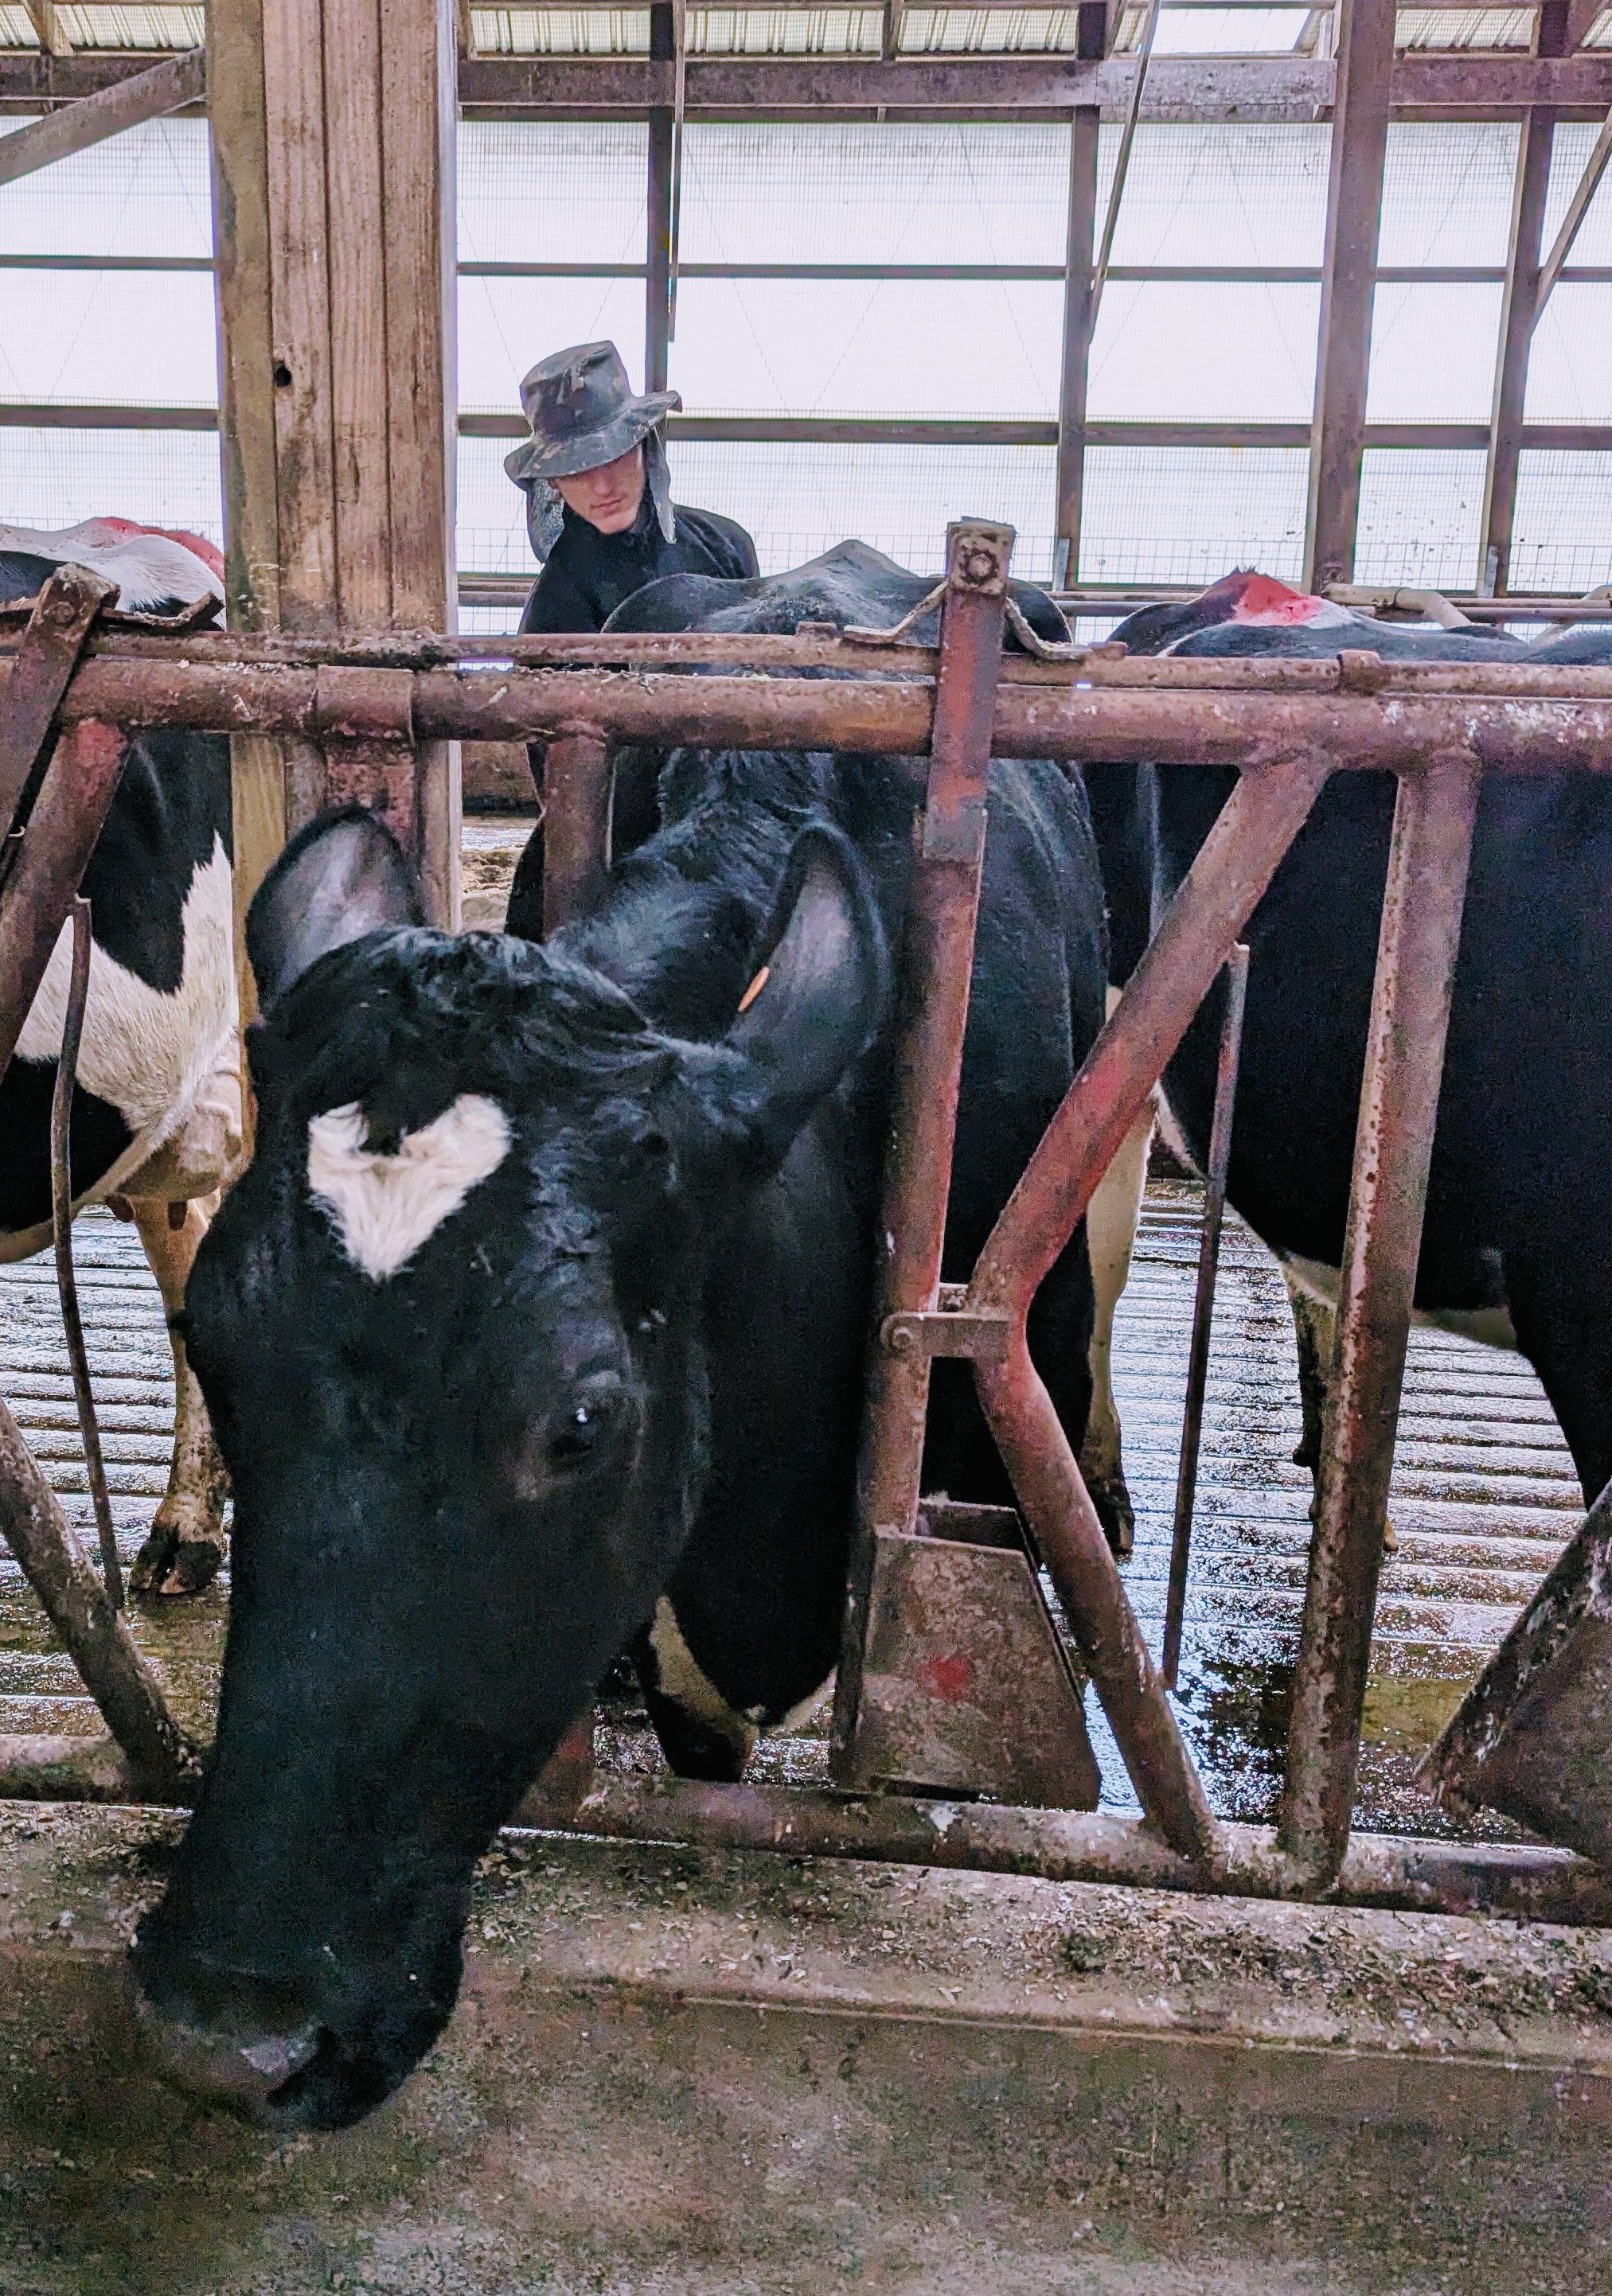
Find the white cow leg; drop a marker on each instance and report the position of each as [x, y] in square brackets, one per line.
[1110, 1239]
[1314, 1326]
[185, 1547]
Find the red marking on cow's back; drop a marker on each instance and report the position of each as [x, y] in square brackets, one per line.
[950, 1678]
[1272, 603]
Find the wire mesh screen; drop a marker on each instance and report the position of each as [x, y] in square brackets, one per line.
[1191, 514]
[1432, 350]
[1570, 362]
[1563, 536]
[1447, 188]
[1570, 147]
[163, 478]
[986, 349]
[848, 193]
[116, 338]
[539, 191]
[506, 326]
[146, 191]
[1420, 514]
[798, 501]
[1234, 194]
[1189, 351]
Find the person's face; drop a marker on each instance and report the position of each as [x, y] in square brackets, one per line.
[607, 497]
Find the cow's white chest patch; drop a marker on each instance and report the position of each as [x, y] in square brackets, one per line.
[385, 1206]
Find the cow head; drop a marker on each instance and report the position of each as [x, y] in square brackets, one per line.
[449, 1325]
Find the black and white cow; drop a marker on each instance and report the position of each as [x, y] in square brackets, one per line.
[1517, 1242]
[156, 1123]
[538, 1324]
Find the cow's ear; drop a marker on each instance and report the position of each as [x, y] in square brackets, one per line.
[819, 995]
[344, 875]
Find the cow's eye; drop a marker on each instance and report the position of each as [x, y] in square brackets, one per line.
[579, 1434]
[592, 1415]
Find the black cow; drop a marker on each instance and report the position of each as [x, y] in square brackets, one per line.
[538, 1324]
[1517, 1242]
[156, 1121]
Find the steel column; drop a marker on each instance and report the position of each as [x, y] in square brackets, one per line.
[1416, 950]
[937, 967]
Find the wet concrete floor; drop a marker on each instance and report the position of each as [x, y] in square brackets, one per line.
[1484, 1497]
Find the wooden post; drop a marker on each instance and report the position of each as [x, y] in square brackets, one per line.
[1517, 317]
[334, 125]
[1092, 30]
[1355, 201]
[657, 281]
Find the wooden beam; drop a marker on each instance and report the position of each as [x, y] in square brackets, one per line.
[149, 94]
[48, 30]
[1360, 132]
[1582, 18]
[1471, 84]
[658, 210]
[1572, 222]
[1094, 29]
[334, 222]
[1553, 36]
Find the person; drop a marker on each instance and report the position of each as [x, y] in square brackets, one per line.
[599, 508]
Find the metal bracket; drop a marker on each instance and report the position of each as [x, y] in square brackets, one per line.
[949, 1332]
[976, 557]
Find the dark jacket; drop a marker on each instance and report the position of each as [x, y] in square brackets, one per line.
[587, 574]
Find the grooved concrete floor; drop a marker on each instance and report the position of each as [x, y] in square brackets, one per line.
[1484, 1497]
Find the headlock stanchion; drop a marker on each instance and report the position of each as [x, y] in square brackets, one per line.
[1284, 726]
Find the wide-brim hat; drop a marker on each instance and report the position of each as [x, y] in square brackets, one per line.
[583, 413]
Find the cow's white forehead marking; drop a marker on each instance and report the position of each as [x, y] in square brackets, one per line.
[384, 1207]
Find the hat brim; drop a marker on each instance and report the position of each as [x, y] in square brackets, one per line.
[536, 458]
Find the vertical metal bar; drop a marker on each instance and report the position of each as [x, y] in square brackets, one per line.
[937, 967]
[1077, 343]
[62, 1225]
[1202, 1308]
[1238, 858]
[576, 828]
[1354, 198]
[1532, 185]
[657, 257]
[1416, 950]
[79, 787]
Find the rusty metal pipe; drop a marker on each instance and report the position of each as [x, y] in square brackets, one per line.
[575, 828]
[47, 652]
[1203, 1307]
[74, 797]
[1416, 950]
[1057, 1507]
[67, 1280]
[95, 1636]
[1233, 721]
[937, 968]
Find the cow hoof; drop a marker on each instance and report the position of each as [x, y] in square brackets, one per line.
[1307, 1455]
[1390, 1542]
[1115, 1513]
[173, 1562]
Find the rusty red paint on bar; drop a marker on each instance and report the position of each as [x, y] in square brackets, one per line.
[47, 654]
[576, 828]
[1416, 950]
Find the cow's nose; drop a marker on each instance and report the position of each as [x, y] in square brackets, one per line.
[241, 2066]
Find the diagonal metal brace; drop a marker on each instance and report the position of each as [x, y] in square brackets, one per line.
[47, 654]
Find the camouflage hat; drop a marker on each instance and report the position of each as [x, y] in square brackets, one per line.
[583, 414]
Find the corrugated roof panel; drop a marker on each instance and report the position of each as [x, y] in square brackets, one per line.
[560, 31]
[988, 31]
[1198, 31]
[785, 31]
[94, 26]
[1464, 28]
